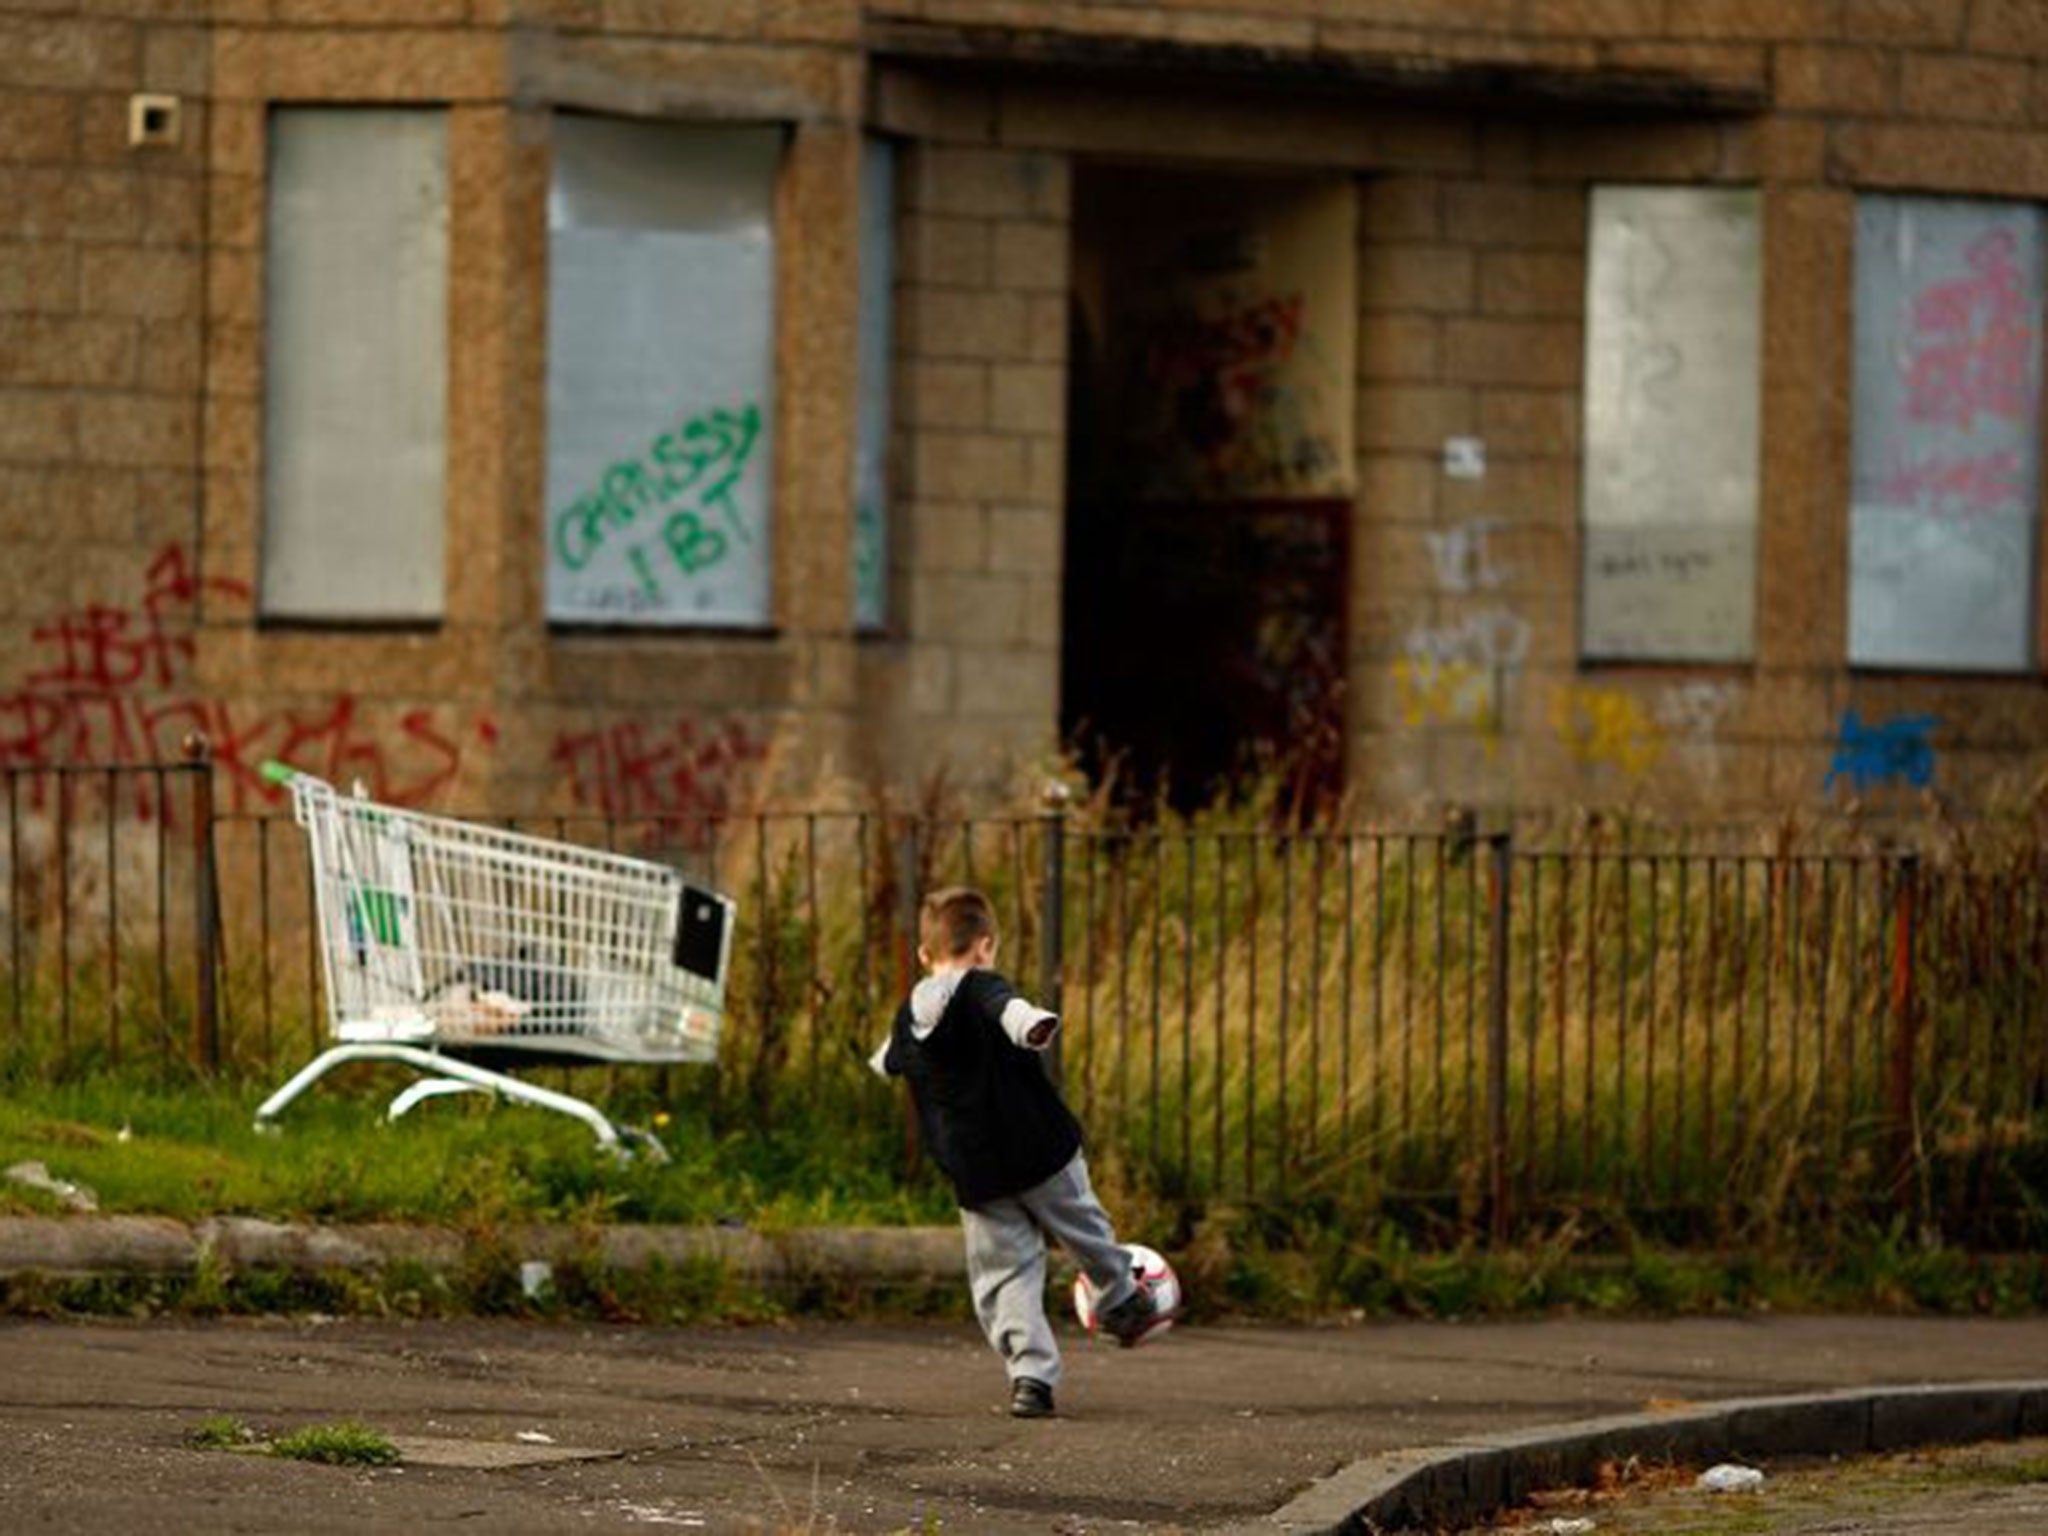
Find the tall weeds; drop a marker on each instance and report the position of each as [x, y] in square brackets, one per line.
[1699, 1032]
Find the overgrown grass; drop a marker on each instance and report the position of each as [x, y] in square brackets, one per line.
[1779, 1036]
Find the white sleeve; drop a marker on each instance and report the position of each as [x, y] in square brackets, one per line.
[929, 1000]
[1028, 1025]
[876, 1062]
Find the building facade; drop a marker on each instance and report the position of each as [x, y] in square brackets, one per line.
[664, 406]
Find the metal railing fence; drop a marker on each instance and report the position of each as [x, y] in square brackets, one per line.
[1485, 1030]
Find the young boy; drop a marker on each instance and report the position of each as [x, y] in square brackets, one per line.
[969, 1047]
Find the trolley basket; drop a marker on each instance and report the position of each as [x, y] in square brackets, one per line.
[463, 950]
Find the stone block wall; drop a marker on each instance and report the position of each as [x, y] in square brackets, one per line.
[968, 679]
[131, 432]
[101, 353]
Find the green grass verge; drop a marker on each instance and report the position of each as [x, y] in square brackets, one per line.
[189, 1151]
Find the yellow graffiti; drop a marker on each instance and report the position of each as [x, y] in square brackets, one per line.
[1605, 725]
[1433, 692]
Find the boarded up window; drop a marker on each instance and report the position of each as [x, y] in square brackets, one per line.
[661, 270]
[1672, 386]
[355, 378]
[871, 425]
[1947, 453]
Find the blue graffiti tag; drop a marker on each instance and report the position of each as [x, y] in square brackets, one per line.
[1893, 749]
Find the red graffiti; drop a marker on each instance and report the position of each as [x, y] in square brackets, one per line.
[1221, 402]
[1956, 487]
[1253, 337]
[1973, 347]
[681, 772]
[112, 685]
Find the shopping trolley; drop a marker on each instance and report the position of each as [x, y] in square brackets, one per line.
[465, 951]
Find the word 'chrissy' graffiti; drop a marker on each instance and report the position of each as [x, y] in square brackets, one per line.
[113, 686]
[684, 477]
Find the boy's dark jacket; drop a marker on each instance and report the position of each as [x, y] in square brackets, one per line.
[989, 1115]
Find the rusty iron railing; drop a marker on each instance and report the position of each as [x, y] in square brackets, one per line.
[1490, 1029]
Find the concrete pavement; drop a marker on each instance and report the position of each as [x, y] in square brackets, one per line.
[821, 1427]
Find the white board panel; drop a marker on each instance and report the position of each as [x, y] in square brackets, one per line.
[1947, 461]
[661, 290]
[871, 411]
[355, 377]
[1673, 358]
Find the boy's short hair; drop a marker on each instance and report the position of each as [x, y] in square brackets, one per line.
[953, 920]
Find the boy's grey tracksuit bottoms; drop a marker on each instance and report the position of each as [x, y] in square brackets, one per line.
[1006, 1256]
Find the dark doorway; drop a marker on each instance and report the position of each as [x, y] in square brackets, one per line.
[1208, 481]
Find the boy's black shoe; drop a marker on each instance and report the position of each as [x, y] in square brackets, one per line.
[1030, 1399]
[1132, 1318]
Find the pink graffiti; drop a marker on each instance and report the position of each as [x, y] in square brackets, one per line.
[113, 687]
[1973, 345]
[1956, 487]
[680, 772]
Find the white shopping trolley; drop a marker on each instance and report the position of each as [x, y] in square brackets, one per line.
[463, 950]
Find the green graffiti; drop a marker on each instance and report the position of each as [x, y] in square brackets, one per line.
[698, 464]
[693, 546]
[649, 587]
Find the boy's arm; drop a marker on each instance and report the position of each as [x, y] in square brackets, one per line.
[1026, 1025]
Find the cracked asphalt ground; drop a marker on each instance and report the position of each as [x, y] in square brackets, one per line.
[839, 1427]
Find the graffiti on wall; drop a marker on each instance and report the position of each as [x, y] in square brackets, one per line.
[1230, 418]
[683, 486]
[1972, 344]
[1612, 728]
[1456, 674]
[113, 685]
[1969, 350]
[1606, 727]
[1874, 753]
[1463, 561]
[684, 770]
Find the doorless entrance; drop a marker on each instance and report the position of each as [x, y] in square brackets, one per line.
[1209, 479]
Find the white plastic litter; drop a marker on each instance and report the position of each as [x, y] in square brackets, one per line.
[535, 1277]
[534, 1437]
[1566, 1525]
[38, 1176]
[1727, 1477]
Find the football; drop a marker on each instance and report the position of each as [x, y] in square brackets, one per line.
[1152, 1272]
